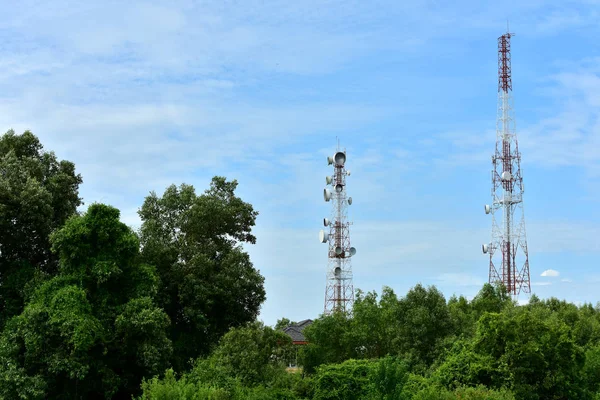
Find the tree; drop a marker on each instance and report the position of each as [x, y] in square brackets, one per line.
[329, 341]
[423, 322]
[374, 325]
[529, 352]
[252, 353]
[346, 381]
[461, 314]
[93, 330]
[283, 323]
[209, 284]
[491, 298]
[37, 195]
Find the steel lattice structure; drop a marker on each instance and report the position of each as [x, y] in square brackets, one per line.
[509, 260]
[339, 292]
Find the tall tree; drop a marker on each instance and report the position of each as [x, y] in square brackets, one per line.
[92, 331]
[423, 322]
[209, 284]
[37, 195]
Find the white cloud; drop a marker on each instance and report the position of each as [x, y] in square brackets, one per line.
[140, 96]
[550, 272]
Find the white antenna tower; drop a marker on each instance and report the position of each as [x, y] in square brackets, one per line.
[509, 259]
[339, 292]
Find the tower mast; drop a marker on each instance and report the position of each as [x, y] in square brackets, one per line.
[509, 260]
[339, 291]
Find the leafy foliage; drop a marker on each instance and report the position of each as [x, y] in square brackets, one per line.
[38, 193]
[93, 328]
[209, 284]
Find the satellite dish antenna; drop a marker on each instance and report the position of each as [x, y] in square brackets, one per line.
[338, 250]
[325, 222]
[323, 236]
[487, 209]
[339, 158]
[338, 272]
[506, 176]
[329, 160]
[327, 194]
[348, 173]
[484, 248]
[339, 187]
[349, 201]
[328, 180]
[352, 251]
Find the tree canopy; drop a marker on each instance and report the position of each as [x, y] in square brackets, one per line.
[209, 284]
[94, 328]
[38, 193]
[91, 309]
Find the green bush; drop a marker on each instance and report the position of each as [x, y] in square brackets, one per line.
[346, 381]
[170, 388]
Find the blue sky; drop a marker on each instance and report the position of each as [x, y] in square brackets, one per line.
[147, 94]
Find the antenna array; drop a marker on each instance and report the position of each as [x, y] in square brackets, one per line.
[339, 292]
[509, 260]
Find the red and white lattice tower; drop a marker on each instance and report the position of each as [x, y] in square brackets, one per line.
[339, 292]
[509, 261]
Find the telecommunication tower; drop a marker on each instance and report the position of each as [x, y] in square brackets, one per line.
[509, 261]
[339, 292]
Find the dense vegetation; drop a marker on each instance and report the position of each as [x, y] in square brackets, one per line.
[90, 308]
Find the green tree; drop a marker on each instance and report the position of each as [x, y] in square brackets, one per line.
[591, 369]
[283, 323]
[531, 353]
[462, 317]
[491, 298]
[92, 331]
[253, 353]
[373, 326]
[423, 321]
[37, 195]
[209, 284]
[328, 342]
[388, 378]
[346, 381]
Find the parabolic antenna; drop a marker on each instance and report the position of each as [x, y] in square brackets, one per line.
[339, 158]
[484, 248]
[339, 187]
[349, 201]
[348, 173]
[323, 236]
[338, 250]
[506, 176]
[352, 251]
[487, 209]
[325, 222]
[327, 194]
[328, 180]
[338, 272]
[329, 160]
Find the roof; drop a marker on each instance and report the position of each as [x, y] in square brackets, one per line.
[295, 331]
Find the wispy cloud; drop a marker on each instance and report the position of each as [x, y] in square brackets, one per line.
[142, 95]
[550, 272]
